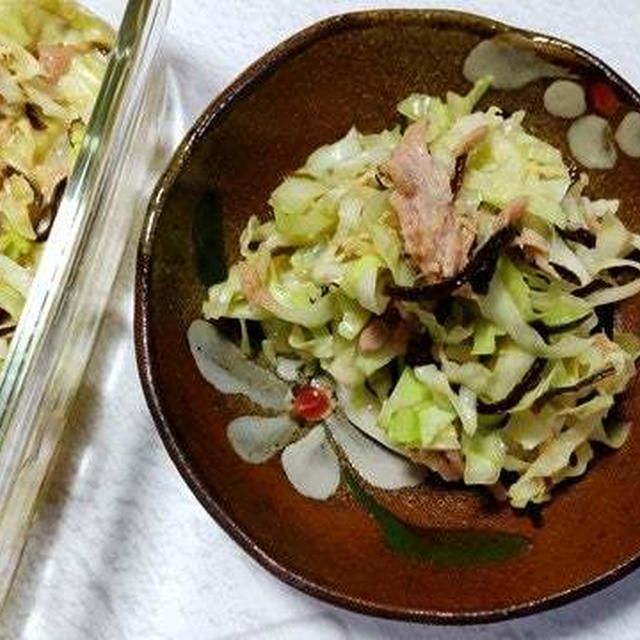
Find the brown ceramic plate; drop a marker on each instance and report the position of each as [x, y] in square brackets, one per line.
[308, 91]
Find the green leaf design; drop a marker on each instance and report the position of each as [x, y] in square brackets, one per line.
[440, 547]
[208, 238]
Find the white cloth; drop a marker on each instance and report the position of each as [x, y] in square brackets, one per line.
[121, 549]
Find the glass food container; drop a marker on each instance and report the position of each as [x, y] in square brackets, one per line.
[107, 190]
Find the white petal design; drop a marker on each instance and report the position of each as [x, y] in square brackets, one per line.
[256, 439]
[511, 61]
[565, 99]
[223, 365]
[628, 134]
[376, 464]
[591, 142]
[312, 465]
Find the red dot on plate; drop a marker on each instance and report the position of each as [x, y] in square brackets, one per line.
[603, 99]
[311, 403]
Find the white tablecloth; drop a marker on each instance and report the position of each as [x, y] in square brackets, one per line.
[121, 549]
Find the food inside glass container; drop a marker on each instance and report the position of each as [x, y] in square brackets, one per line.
[446, 287]
[53, 55]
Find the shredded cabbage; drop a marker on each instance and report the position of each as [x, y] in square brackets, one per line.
[53, 55]
[518, 376]
[511, 163]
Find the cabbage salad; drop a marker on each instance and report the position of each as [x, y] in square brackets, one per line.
[53, 56]
[453, 287]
